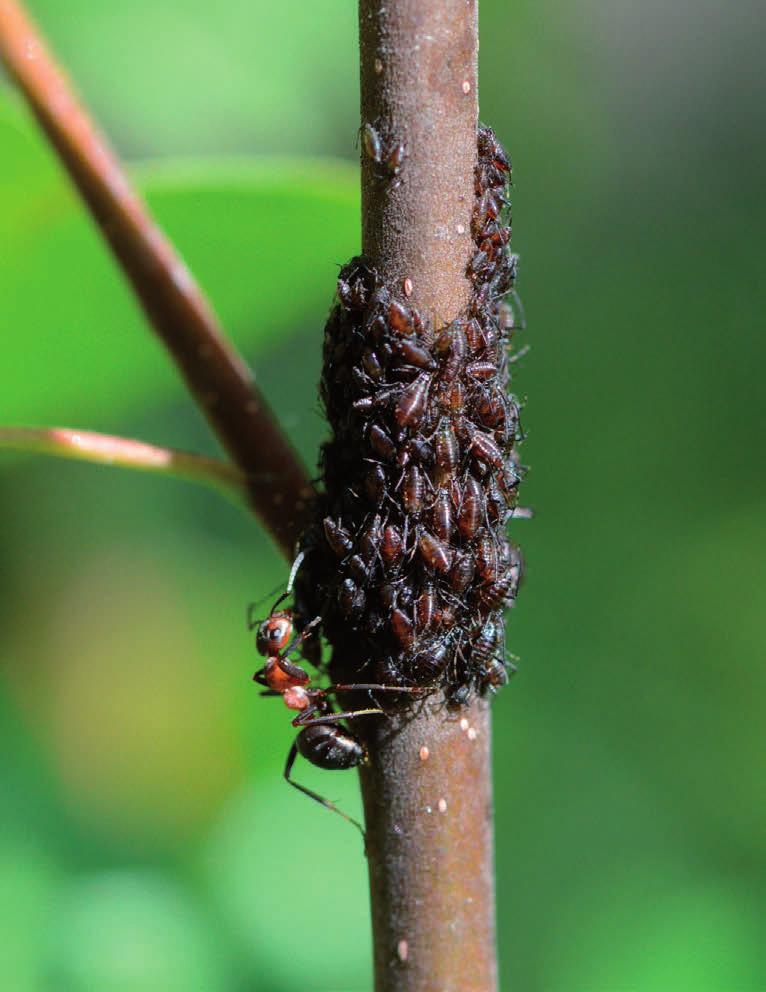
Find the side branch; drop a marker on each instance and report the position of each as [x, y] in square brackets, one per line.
[218, 378]
[121, 452]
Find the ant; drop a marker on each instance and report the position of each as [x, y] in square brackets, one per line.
[321, 739]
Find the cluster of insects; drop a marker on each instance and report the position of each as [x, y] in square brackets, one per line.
[409, 565]
[408, 569]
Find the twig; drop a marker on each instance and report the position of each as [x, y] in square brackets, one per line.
[427, 791]
[180, 314]
[106, 449]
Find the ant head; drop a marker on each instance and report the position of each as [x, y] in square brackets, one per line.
[274, 633]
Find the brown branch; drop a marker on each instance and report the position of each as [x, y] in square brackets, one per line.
[177, 309]
[427, 790]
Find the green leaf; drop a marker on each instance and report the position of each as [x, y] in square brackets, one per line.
[263, 237]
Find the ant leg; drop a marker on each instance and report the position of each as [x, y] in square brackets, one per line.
[260, 677]
[371, 686]
[269, 692]
[315, 795]
[304, 720]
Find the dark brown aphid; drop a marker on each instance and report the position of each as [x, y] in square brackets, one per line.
[381, 443]
[457, 352]
[371, 143]
[412, 490]
[424, 608]
[402, 627]
[453, 396]
[427, 665]
[414, 354]
[359, 570]
[501, 593]
[375, 484]
[486, 556]
[351, 599]
[471, 508]
[462, 572]
[392, 546]
[485, 448]
[492, 408]
[486, 644]
[481, 369]
[337, 537]
[371, 365]
[369, 540]
[494, 675]
[446, 449]
[434, 552]
[400, 319]
[412, 403]
[441, 515]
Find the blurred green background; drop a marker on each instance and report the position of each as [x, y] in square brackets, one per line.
[147, 841]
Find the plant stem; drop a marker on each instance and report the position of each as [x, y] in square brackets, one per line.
[121, 452]
[427, 790]
[215, 373]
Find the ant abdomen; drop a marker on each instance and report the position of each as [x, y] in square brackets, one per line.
[330, 747]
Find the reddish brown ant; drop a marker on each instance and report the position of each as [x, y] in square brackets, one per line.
[321, 739]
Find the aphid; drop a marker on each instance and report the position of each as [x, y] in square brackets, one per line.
[424, 608]
[486, 556]
[337, 537]
[471, 508]
[462, 572]
[474, 335]
[441, 515]
[434, 552]
[412, 490]
[485, 448]
[446, 449]
[458, 350]
[402, 627]
[414, 354]
[427, 665]
[485, 645]
[494, 675]
[400, 319]
[481, 369]
[498, 594]
[372, 144]
[419, 450]
[351, 599]
[392, 546]
[359, 570]
[369, 542]
[351, 294]
[479, 264]
[371, 364]
[375, 484]
[492, 408]
[381, 443]
[453, 396]
[411, 405]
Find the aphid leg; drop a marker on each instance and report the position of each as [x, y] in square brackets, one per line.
[315, 795]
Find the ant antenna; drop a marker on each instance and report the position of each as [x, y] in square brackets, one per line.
[294, 571]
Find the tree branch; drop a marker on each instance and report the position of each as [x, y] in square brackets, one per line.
[218, 378]
[427, 790]
[121, 452]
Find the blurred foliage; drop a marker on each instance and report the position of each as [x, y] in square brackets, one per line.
[147, 841]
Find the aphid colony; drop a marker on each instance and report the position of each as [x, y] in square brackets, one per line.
[408, 565]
